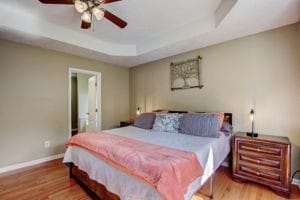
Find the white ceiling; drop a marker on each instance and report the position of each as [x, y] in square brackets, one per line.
[156, 28]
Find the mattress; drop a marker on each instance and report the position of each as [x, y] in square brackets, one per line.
[210, 152]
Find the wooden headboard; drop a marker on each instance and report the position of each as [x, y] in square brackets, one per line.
[227, 116]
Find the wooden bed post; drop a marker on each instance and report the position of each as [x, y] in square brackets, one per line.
[70, 170]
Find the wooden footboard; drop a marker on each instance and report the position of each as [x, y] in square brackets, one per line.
[96, 190]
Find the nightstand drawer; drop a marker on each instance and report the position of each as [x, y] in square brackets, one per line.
[260, 149]
[258, 173]
[276, 164]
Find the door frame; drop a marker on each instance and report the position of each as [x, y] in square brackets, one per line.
[98, 97]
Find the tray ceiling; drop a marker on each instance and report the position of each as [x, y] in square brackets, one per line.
[156, 28]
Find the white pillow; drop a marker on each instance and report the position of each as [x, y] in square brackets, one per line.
[166, 122]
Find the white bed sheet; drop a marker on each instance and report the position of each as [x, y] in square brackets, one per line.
[210, 152]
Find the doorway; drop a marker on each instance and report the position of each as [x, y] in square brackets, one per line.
[84, 101]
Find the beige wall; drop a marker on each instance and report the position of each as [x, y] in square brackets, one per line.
[34, 99]
[264, 67]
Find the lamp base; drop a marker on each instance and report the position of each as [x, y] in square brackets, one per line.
[252, 134]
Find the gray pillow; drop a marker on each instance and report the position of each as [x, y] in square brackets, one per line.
[200, 125]
[145, 121]
[227, 128]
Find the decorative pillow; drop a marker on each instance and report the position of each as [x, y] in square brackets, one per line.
[166, 123]
[200, 125]
[145, 121]
[227, 128]
[221, 117]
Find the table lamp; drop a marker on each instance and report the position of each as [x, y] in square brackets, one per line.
[252, 133]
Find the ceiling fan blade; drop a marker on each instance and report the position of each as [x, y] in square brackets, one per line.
[114, 19]
[110, 1]
[57, 1]
[85, 25]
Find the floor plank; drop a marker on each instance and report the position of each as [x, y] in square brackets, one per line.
[51, 181]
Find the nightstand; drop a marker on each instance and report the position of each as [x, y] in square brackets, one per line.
[125, 123]
[265, 159]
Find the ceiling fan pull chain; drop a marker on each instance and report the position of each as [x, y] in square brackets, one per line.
[93, 25]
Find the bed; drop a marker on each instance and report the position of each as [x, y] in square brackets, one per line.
[103, 181]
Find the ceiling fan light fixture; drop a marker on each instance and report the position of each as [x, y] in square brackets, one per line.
[87, 16]
[80, 6]
[90, 9]
[98, 13]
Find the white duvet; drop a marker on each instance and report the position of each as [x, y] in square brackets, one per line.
[210, 152]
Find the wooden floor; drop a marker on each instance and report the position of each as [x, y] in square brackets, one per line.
[50, 181]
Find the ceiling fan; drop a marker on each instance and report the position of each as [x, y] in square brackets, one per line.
[90, 9]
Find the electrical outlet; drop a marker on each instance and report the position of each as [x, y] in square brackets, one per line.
[47, 144]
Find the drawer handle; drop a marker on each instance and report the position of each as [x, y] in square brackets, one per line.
[257, 173]
[258, 149]
[258, 161]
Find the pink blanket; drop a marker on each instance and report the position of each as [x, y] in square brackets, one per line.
[168, 170]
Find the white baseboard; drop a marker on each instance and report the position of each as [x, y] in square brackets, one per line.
[30, 163]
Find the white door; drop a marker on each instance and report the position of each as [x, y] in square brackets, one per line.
[92, 121]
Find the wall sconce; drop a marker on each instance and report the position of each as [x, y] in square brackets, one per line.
[252, 133]
[138, 110]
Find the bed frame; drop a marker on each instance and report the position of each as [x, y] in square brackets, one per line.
[94, 189]
[98, 191]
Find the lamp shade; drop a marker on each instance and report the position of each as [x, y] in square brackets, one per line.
[87, 17]
[138, 110]
[80, 6]
[252, 114]
[98, 13]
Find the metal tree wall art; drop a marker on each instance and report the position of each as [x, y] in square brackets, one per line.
[186, 74]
